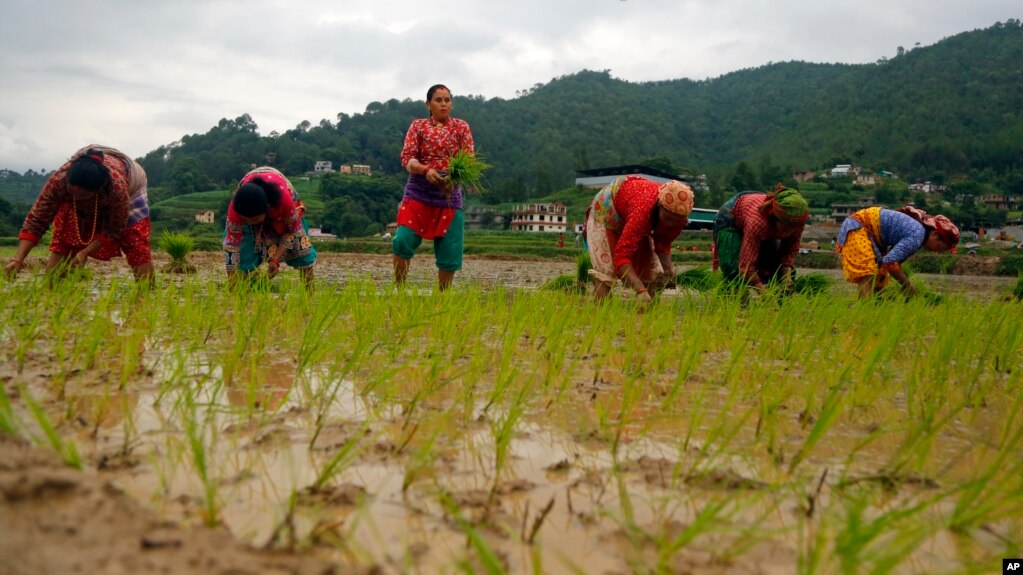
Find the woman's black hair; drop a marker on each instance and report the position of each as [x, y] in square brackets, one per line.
[250, 201]
[434, 88]
[273, 193]
[89, 172]
[655, 216]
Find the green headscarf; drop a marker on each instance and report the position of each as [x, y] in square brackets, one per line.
[786, 204]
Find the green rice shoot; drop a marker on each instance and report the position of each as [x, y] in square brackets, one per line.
[178, 246]
[466, 169]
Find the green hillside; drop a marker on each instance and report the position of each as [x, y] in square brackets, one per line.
[935, 112]
[950, 113]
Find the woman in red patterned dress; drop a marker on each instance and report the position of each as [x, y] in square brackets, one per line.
[431, 209]
[630, 227]
[265, 223]
[98, 206]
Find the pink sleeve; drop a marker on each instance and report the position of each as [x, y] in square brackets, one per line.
[466, 142]
[410, 148]
[289, 214]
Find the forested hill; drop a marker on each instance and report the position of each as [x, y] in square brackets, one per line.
[938, 111]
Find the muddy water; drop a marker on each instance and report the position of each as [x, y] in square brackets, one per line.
[611, 510]
[259, 441]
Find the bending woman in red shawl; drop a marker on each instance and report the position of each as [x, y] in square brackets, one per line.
[431, 209]
[98, 206]
[630, 221]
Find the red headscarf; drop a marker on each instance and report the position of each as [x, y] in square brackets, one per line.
[947, 231]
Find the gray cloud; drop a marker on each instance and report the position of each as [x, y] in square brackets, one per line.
[138, 75]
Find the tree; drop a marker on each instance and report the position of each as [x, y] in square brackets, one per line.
[661, 163]
[345, 217]
[743, 178]
[771, 174]
[187, 177]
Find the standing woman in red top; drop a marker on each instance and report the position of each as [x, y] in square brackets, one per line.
[431, 208]
[629, 222]
[265, 223]
[98, 206]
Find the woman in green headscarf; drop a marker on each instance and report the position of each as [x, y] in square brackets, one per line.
[756, 236]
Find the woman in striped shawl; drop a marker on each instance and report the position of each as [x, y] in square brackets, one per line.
[98, 206]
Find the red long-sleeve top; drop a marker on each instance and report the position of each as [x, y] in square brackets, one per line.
[433, 144]
[634, 203]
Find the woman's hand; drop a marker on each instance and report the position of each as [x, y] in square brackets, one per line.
[434, 177]
[80, 259]
[644, 300]
[13, 266]
[273, 267]
[661, 282]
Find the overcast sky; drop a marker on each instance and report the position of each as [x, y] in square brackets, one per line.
[142, 73]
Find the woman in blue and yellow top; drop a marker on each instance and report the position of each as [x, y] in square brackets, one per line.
[874, 242]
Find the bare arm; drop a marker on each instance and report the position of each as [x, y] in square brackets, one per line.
[16, 263]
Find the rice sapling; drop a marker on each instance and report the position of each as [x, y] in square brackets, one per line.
[466, 169]
[178, 246]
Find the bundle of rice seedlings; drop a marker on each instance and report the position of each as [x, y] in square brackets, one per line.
[565, 283]
[177, 246]
[466, 170]
[812, 284]
[923, 290]
[582, 268]
[700, 278]
[1017, 290]
[259, 281]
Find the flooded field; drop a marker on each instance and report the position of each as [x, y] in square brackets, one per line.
[499, 428]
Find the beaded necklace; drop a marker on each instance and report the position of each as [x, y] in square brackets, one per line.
[95, 218]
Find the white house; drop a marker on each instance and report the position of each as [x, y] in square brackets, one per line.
[540, 218]
[206, 217]
[323, 166]
[317, 233]
[842, 171]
